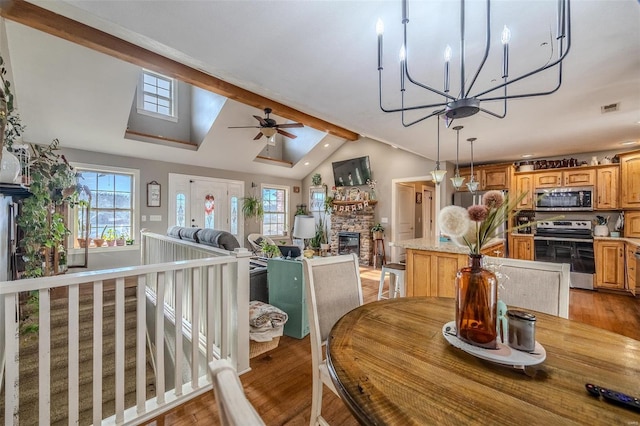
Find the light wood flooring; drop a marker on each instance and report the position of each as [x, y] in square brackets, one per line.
[279, 384]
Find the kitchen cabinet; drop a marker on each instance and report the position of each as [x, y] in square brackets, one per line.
[522, 247]
[524, 185]
[287, 292]
[496, 250]
[495, 177]
[607, 184]
[631, 265]
[632, 224]
[610, 273]
[630, 180]
[561, 178]
[432, 273]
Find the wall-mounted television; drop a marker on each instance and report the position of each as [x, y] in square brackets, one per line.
[355, 171]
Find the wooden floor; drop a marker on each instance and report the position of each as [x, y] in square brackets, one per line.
[279, 384]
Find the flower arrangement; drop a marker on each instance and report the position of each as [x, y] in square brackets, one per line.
[372, 183]
[477, 224]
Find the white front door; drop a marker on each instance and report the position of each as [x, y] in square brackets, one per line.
[209, 205]
[405, 212]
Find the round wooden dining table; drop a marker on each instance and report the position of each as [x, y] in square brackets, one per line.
[392, 366]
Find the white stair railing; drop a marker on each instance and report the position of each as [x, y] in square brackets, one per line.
[221, 283]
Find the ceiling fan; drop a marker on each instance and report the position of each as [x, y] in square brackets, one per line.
[268, 127]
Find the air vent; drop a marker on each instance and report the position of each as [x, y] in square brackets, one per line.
[610, 108]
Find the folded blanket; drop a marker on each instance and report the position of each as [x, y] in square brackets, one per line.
[265, 316]
[265, 334]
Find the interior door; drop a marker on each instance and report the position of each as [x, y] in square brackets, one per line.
[405, 212]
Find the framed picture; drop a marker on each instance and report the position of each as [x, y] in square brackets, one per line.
[418, 197]
[153, 194]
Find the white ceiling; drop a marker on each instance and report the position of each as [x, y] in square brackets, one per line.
[320, 57]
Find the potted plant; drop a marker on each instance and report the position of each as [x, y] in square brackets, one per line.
[378, 231]
[109, 235]
[121, 238]
[252, 207]
[269, 250]
[316, 179]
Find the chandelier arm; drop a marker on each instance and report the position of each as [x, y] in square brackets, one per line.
[424, 86]
[504, 109]
[403, 108]
[545, 67]
[438, 112]
[527, 95]
[486, 50]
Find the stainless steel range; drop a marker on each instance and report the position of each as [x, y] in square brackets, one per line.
[567, 241]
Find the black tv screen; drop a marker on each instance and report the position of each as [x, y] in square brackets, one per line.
[352, 172]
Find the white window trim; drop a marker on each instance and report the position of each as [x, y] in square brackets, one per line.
[140, 97]
[135, 216]
[287, 208]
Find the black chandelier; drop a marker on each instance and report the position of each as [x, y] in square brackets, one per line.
[466, 104]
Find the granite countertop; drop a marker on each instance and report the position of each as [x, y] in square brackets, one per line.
[429, 244]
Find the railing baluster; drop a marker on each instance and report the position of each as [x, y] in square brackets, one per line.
[225, 300]
[141, 345]
[44, 357]
[210, 313]
[120, 339]
[195, 334]
[159, 279]
[74, 356]
[98, 305]
[179, 283]
[12, 365]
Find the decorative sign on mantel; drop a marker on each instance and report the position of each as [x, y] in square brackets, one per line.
[352, 206]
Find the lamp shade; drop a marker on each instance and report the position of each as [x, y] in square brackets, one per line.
[457, 181]
[304, 227]
[268, 131]
[438, 175]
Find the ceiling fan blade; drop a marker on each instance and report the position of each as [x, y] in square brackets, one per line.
[289, 125]
[261, 120]
[287, 134]
[258, 136]
[243, 127]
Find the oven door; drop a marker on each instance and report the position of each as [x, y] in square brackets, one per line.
[578, 253]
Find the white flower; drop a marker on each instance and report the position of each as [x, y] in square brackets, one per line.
[454, 221]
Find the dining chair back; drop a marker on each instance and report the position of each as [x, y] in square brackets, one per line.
[333, 288]
[233, 406]
[539, 286]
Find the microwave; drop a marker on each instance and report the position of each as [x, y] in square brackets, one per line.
[564, 199]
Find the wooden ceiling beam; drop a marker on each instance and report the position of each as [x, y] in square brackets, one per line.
[60, 26]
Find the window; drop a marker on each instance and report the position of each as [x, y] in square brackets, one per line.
[157, 95]
[275, 200]
[113, 202]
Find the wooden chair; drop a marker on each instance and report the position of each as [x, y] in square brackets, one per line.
[233, 406]
[539, 286]
[333, 288]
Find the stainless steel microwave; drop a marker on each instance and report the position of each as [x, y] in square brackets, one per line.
[564, 199]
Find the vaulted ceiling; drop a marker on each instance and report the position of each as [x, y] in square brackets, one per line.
[316, 60]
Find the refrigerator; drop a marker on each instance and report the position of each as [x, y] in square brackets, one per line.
[466, 199]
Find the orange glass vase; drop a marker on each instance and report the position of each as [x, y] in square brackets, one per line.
[476, 304]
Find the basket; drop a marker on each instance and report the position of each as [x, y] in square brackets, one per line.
[258, 348]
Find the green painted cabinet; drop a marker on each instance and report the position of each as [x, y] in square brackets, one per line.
[287, 292]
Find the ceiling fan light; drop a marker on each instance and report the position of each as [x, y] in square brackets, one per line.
[438, 175]
[457, 181]
[269, 131]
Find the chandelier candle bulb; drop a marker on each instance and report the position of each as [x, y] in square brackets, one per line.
[447, 59]
[379, 31]
[506, 36]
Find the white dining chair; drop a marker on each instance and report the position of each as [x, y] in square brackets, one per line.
[333, 288]
[539, 286]
[233, 406]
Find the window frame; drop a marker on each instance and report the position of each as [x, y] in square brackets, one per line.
[135, 211]
[174, 96]
[287, 202]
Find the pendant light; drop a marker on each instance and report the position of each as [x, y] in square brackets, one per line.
[472, 184]
[457, 180]
[437, 174]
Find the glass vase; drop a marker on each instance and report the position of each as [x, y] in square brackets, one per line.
[476, 304]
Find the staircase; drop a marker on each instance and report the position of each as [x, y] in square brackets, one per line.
[59, 359]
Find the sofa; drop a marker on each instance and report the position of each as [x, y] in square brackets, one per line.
[258, 288]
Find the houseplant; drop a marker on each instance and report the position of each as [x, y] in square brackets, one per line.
[378, 231]
[11, 128]
[269, 250]
[109, 235]
[252, 207]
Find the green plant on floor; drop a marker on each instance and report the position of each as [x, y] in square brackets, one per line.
[53, 183]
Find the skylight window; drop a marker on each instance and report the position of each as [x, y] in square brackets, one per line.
[157, 95]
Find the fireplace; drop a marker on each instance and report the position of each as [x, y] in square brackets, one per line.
[349, 242]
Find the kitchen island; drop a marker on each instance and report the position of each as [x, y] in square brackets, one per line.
[432, 265]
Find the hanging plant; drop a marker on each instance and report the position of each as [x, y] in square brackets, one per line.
[316, 179]
[252, 207]
[11, 126]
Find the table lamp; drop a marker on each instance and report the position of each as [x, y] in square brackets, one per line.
[305, 227]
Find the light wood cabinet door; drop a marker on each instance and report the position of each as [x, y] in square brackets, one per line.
[524, 185]
[418, 273]
[495, 177]
[610, 264]
[579, 177]
[631, 265]
[547, 179]
[607, 180]
[522, 247]
[496, 250]
[630, 180]
[444, 267]
[632, 224]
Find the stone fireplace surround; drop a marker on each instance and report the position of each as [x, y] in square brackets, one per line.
[360, 221]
